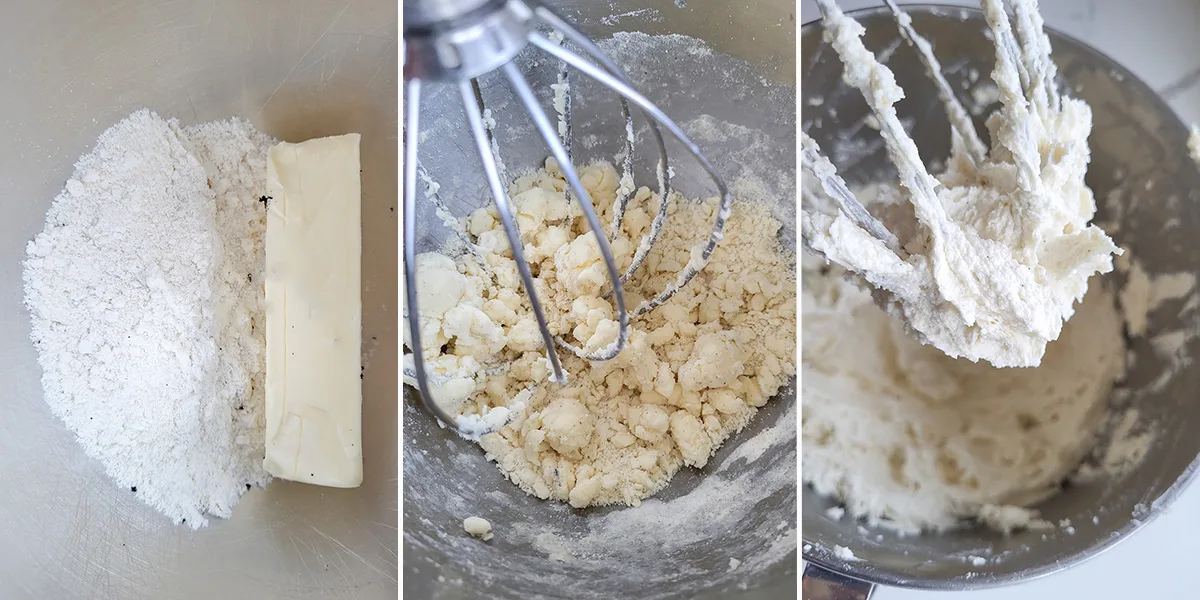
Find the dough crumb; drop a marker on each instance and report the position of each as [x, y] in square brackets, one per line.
[734, 564]
[478, 527]
[844, 553]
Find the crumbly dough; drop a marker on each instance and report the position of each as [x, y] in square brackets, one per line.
[994, 253]
[478, 527]
[909, 438]
[695, 370]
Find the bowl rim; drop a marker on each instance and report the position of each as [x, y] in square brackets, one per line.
[864, 571]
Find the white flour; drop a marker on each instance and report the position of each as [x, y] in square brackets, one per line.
[144, 292]
[905, 433]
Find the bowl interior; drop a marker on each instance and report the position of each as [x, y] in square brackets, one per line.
[1138, 152]
[738, 102]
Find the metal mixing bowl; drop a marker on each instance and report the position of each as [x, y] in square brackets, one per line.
[297, 69]
[678, 545]
[1138, 146]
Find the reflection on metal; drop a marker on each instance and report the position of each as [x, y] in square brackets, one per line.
[820, 583]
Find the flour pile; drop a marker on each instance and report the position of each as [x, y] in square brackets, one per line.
[145, 291]
[694, 372]
[990, 258]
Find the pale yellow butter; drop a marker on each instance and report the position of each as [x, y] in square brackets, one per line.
[314, 312]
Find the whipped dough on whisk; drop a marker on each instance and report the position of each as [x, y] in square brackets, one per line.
[908, 421]
[994, 253]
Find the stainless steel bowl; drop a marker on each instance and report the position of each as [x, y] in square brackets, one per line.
[297, 69]
[664, 549]
[1136, 140]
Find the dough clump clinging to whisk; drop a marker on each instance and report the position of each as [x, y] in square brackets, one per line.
[987, 260]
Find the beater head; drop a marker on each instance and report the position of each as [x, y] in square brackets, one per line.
[453, 42]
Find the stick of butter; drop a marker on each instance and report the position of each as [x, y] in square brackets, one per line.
[314, 312]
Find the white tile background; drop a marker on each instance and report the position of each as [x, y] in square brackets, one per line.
[1159, 40]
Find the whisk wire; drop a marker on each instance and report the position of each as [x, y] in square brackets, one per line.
[623, 194]
[477, 90]
[816, 165]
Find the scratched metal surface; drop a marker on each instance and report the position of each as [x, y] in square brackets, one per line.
[297, 69]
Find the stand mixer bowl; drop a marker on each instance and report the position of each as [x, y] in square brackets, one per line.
[735, 97]
[1136, 139]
